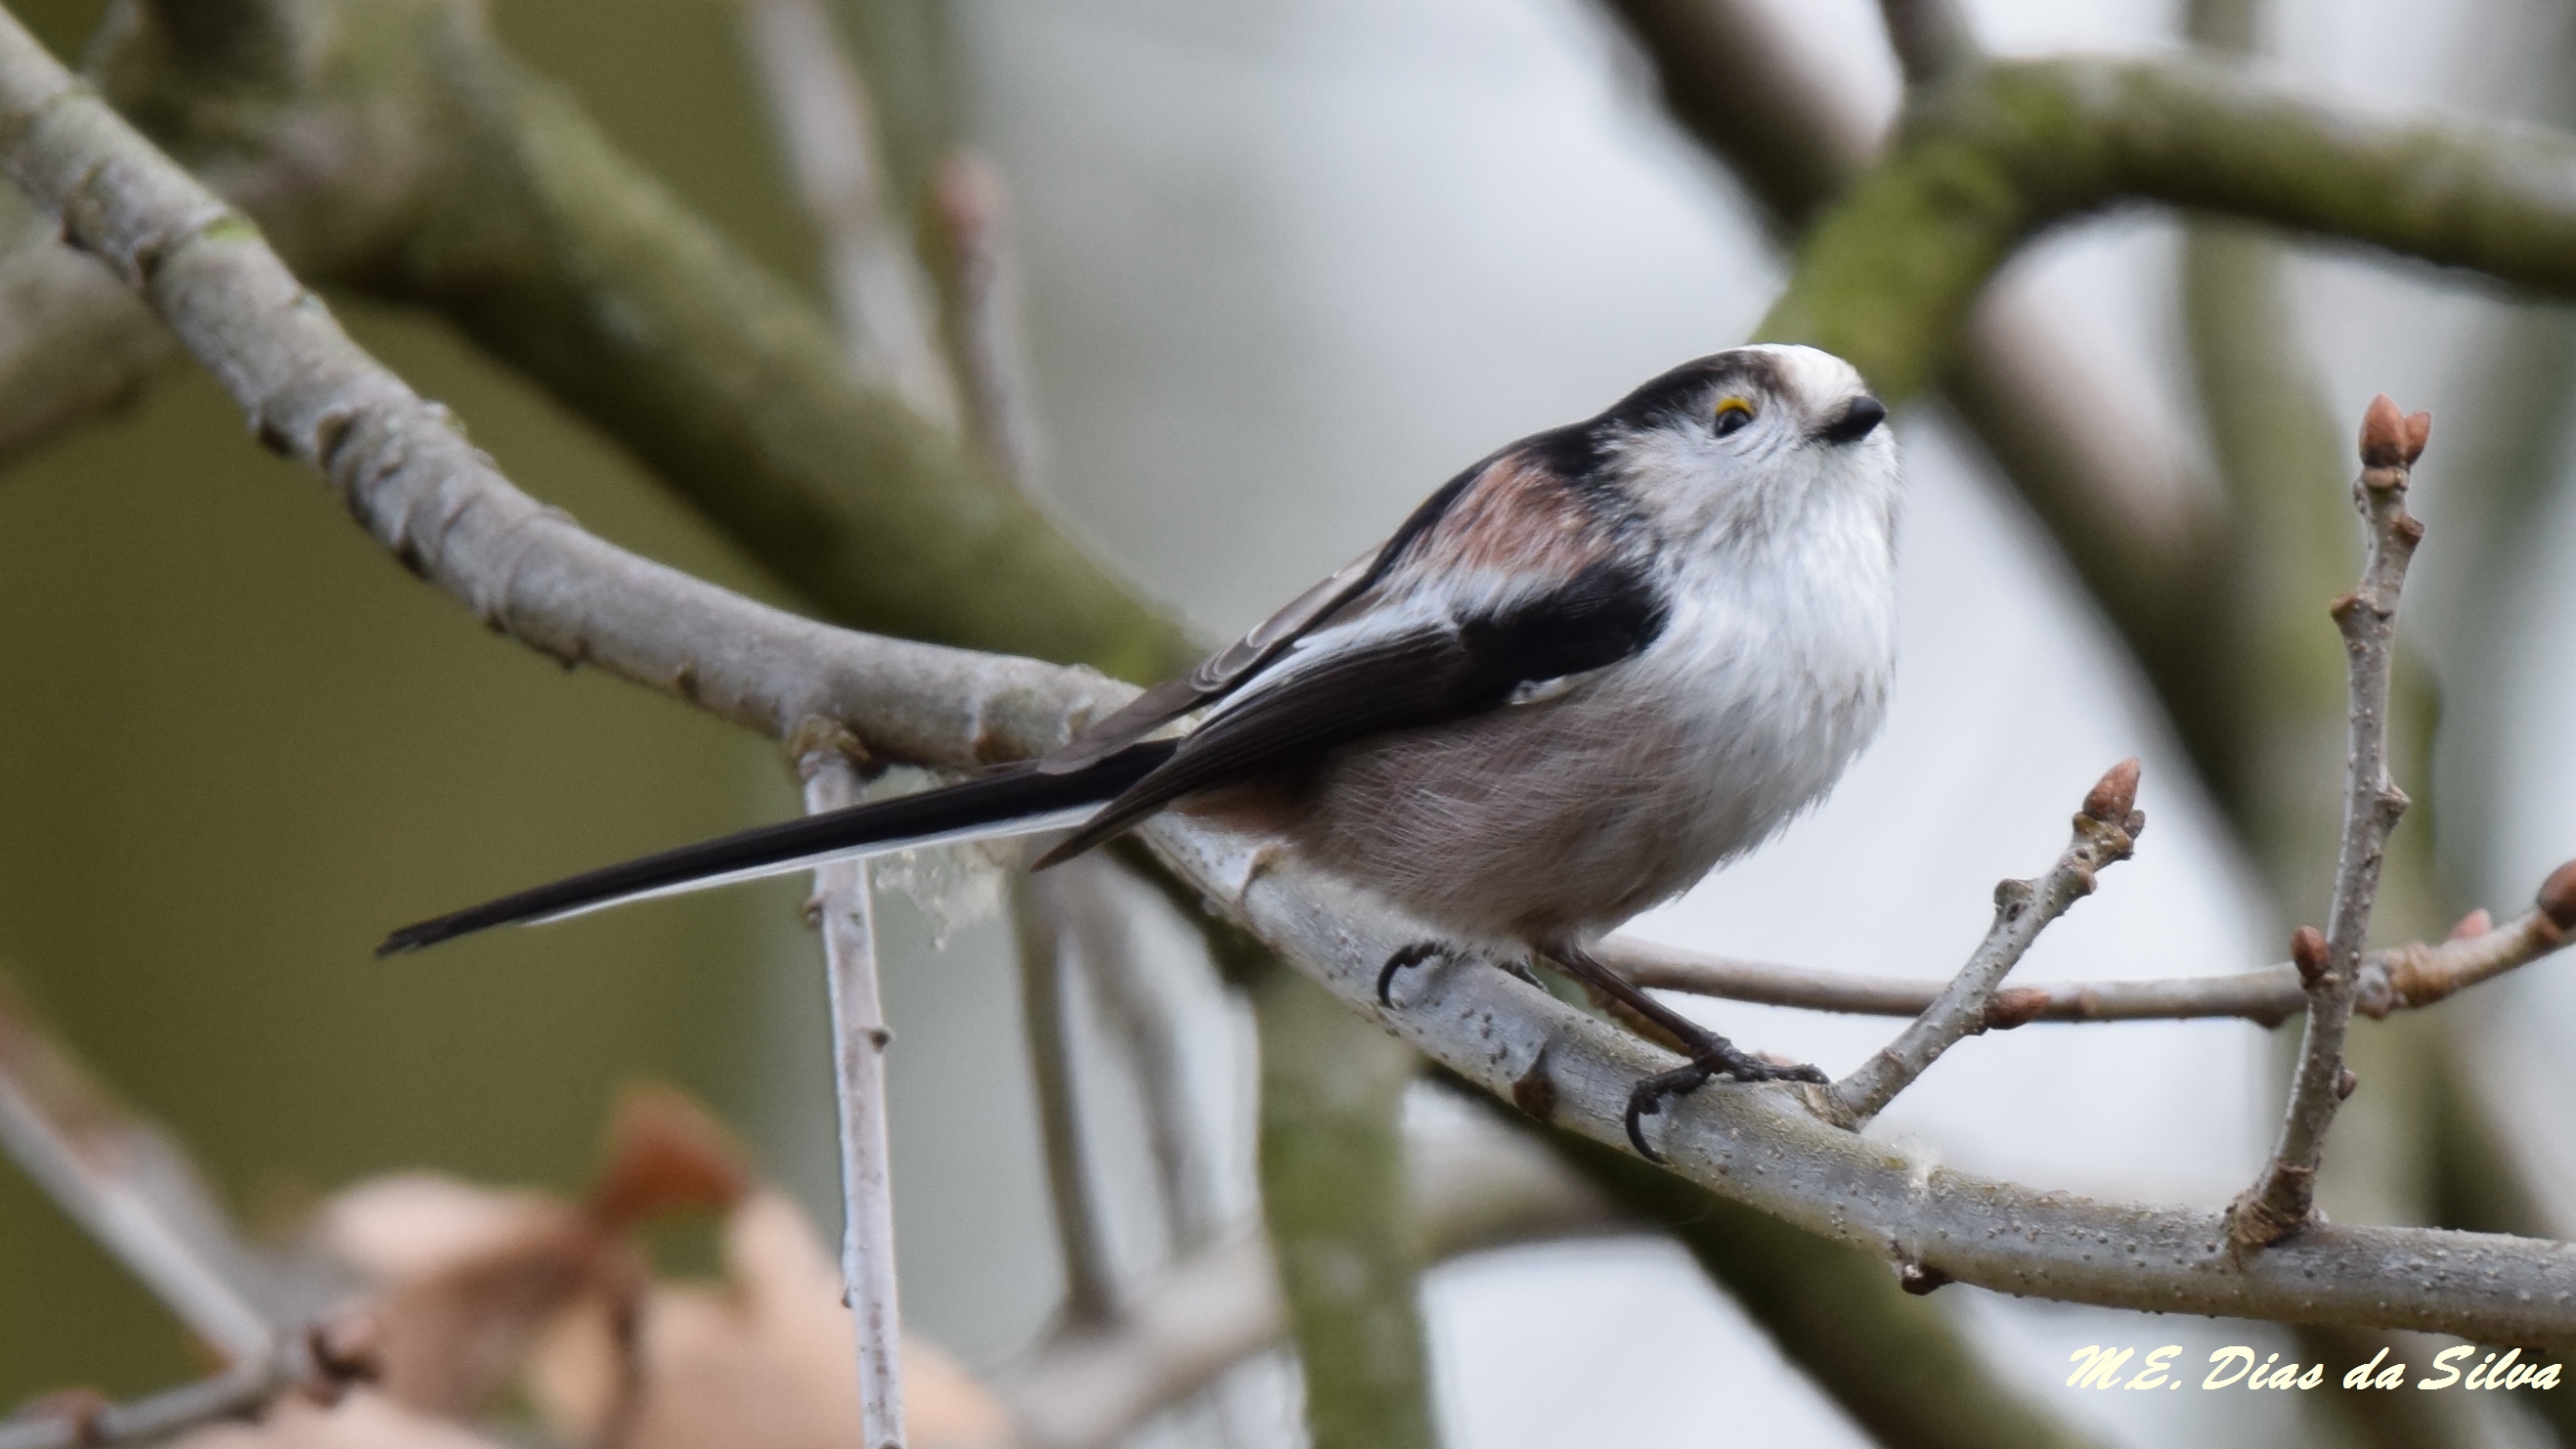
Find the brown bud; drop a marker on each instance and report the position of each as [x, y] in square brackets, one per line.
[2419, 431]
[2308, 952]
[2473, 925]
[2345, 1081]
[2015, 1006]
[2558, 897]
[2383, 433]
[2115, 794]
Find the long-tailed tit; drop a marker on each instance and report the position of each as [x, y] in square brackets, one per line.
[1591, 668]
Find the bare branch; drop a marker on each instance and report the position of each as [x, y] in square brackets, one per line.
[819, 108]
[75, 1422]
[1931, 38]
[129, 1189]
[1339, 1207]
[398, 150]
[991, 346]
[2398, 979]
[2107, 470]
[74, 343]
[1886, 278]
[2105, 831]
[1089, 1386]
[859, 1038]
[1041, 916]
[428, 496]
[1140, 1019]
[2282, 1199]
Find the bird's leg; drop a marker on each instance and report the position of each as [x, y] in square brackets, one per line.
[1406, 959]
[1710, 1055]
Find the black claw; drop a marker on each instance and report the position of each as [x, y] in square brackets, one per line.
[1722, 1059]
[1404, 960]
[1646, 1099]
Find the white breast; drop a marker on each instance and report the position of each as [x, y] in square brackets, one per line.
[1558, 818]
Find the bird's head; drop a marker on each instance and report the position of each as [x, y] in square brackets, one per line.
[1748, 442]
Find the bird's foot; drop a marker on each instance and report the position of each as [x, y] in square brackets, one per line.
[1405, 960]
[1715, 1057]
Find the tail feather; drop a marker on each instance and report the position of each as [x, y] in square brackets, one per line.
[1016, 801]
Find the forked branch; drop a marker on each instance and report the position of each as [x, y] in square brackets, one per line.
[2283, 1199]
[437, 503]
[2106, 831]
[2400, 978]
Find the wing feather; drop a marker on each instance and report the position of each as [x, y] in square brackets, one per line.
[1408, 676]
[1230, 668]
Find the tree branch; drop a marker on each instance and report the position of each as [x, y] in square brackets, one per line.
[1041, 917]
[130, 1190]
[2105, 831]
[1089, 1386]
[846, 917]
[974, 207]
[1889, 275]
[74, 344]
[819, 110]
[1931, 38]
[427, 495]
[401, 153]
[1335, 1198]
[2398, 979]
[77, 1422]
[2109, 472]
[137, 1196]
[2282, 1200]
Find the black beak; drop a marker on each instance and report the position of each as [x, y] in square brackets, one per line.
[1861, 417]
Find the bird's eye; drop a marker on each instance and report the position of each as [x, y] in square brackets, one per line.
[1732, 414]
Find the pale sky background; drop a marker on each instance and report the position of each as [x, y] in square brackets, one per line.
[1292, 265]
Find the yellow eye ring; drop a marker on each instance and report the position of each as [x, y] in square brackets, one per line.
[1732, 414]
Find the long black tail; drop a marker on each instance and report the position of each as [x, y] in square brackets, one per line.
[1011, 801]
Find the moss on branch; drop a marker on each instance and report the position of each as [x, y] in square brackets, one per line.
[1989, 160]
[1342, 1225]
[392, 148]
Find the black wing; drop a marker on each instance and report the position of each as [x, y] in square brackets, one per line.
[1237, 664]
[1401, 680]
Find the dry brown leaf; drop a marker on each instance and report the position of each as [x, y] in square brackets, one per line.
[768, 1360]
[470, 1277]
[405, 1227]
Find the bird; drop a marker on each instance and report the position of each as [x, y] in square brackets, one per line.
[1591, 668]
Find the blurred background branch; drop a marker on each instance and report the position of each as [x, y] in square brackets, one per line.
[579, 270]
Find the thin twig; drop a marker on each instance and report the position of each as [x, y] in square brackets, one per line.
[2400, 978]
[135, 1194]
[992, 345]
[128, 1188]
[859, 1040]
[1140, 1015]
[819, 108]
[427, 495]
[2106, 830]
[237, 1392]
[2282, 1199]
[1047, 952]
[1474, 1187]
